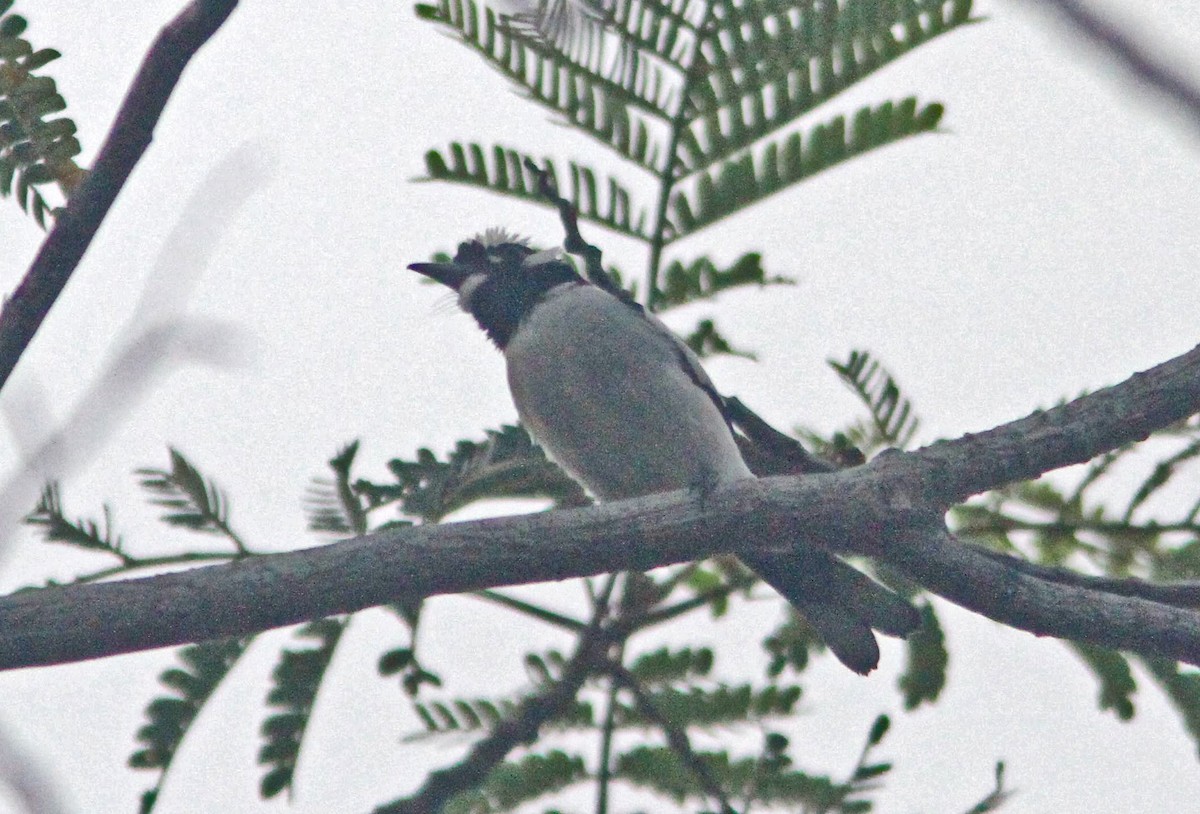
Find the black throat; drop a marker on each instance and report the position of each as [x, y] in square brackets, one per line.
[510, 291]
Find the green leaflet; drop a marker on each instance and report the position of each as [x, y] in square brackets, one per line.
[499, 169]
[893, 421]
[754, 175]
[34, 149]
[169, 717]
[295, 681]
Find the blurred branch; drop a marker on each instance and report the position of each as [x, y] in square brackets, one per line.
[130, 136]
[30, 783]
[1133, 55]
[890, 509]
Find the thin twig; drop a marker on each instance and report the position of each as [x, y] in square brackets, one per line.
[575, 244]
[130, 136]
[677, 737]
[1136, 58]
[607, 733]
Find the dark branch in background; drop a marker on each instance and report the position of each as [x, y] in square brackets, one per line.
[876, 502]
[1133, 55]
[128, 139]
[676, 736]
[520, 728]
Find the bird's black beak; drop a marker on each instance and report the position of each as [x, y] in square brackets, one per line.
[448, 274]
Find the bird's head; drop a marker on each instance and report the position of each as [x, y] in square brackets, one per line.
[499, 279]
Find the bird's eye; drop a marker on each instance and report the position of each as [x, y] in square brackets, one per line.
[494, 258]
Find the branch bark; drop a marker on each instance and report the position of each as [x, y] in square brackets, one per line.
[893, 502]
[128, 139]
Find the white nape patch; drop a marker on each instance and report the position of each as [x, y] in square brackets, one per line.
[468, 288]
[544, 256]
[497, 235]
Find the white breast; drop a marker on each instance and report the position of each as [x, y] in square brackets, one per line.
[602, 389]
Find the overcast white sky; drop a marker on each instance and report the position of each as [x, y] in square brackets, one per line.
[1044, 246]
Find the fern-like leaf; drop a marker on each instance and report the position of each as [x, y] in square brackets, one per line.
[171, 716]
[518, 781]
[705, 340]
[664, 666]
[756, 174]
[1117, 685]
[34, 149]
[892, 414]
[659, 769]
[505, 171]
[84, 533]
[767, 64]
[192, 501]
[620, 112]
[463, 715]
[504, 464]
[482, 714]
[332, 506]
[698, 706]
[296, 679]
[702, 280]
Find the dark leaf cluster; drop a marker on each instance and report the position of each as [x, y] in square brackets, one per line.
[202, 667]
[295, 681]
[506, 464]
[35, 149]
[703, 97]
[84, 533]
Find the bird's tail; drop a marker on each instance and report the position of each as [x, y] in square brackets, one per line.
[842, 604]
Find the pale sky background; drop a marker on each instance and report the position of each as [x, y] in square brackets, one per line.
[1046, 245]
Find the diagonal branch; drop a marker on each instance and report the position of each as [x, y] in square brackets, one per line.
[875, 510]
[676, 735]
[1069, 434]
[521, 728]
[1137, 59]
[130, 136]
[1019, 598]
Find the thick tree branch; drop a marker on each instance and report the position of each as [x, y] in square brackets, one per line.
[130, 136]
[952, 471]
[880, 502]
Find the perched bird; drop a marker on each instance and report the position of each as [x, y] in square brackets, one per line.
[623, 405]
